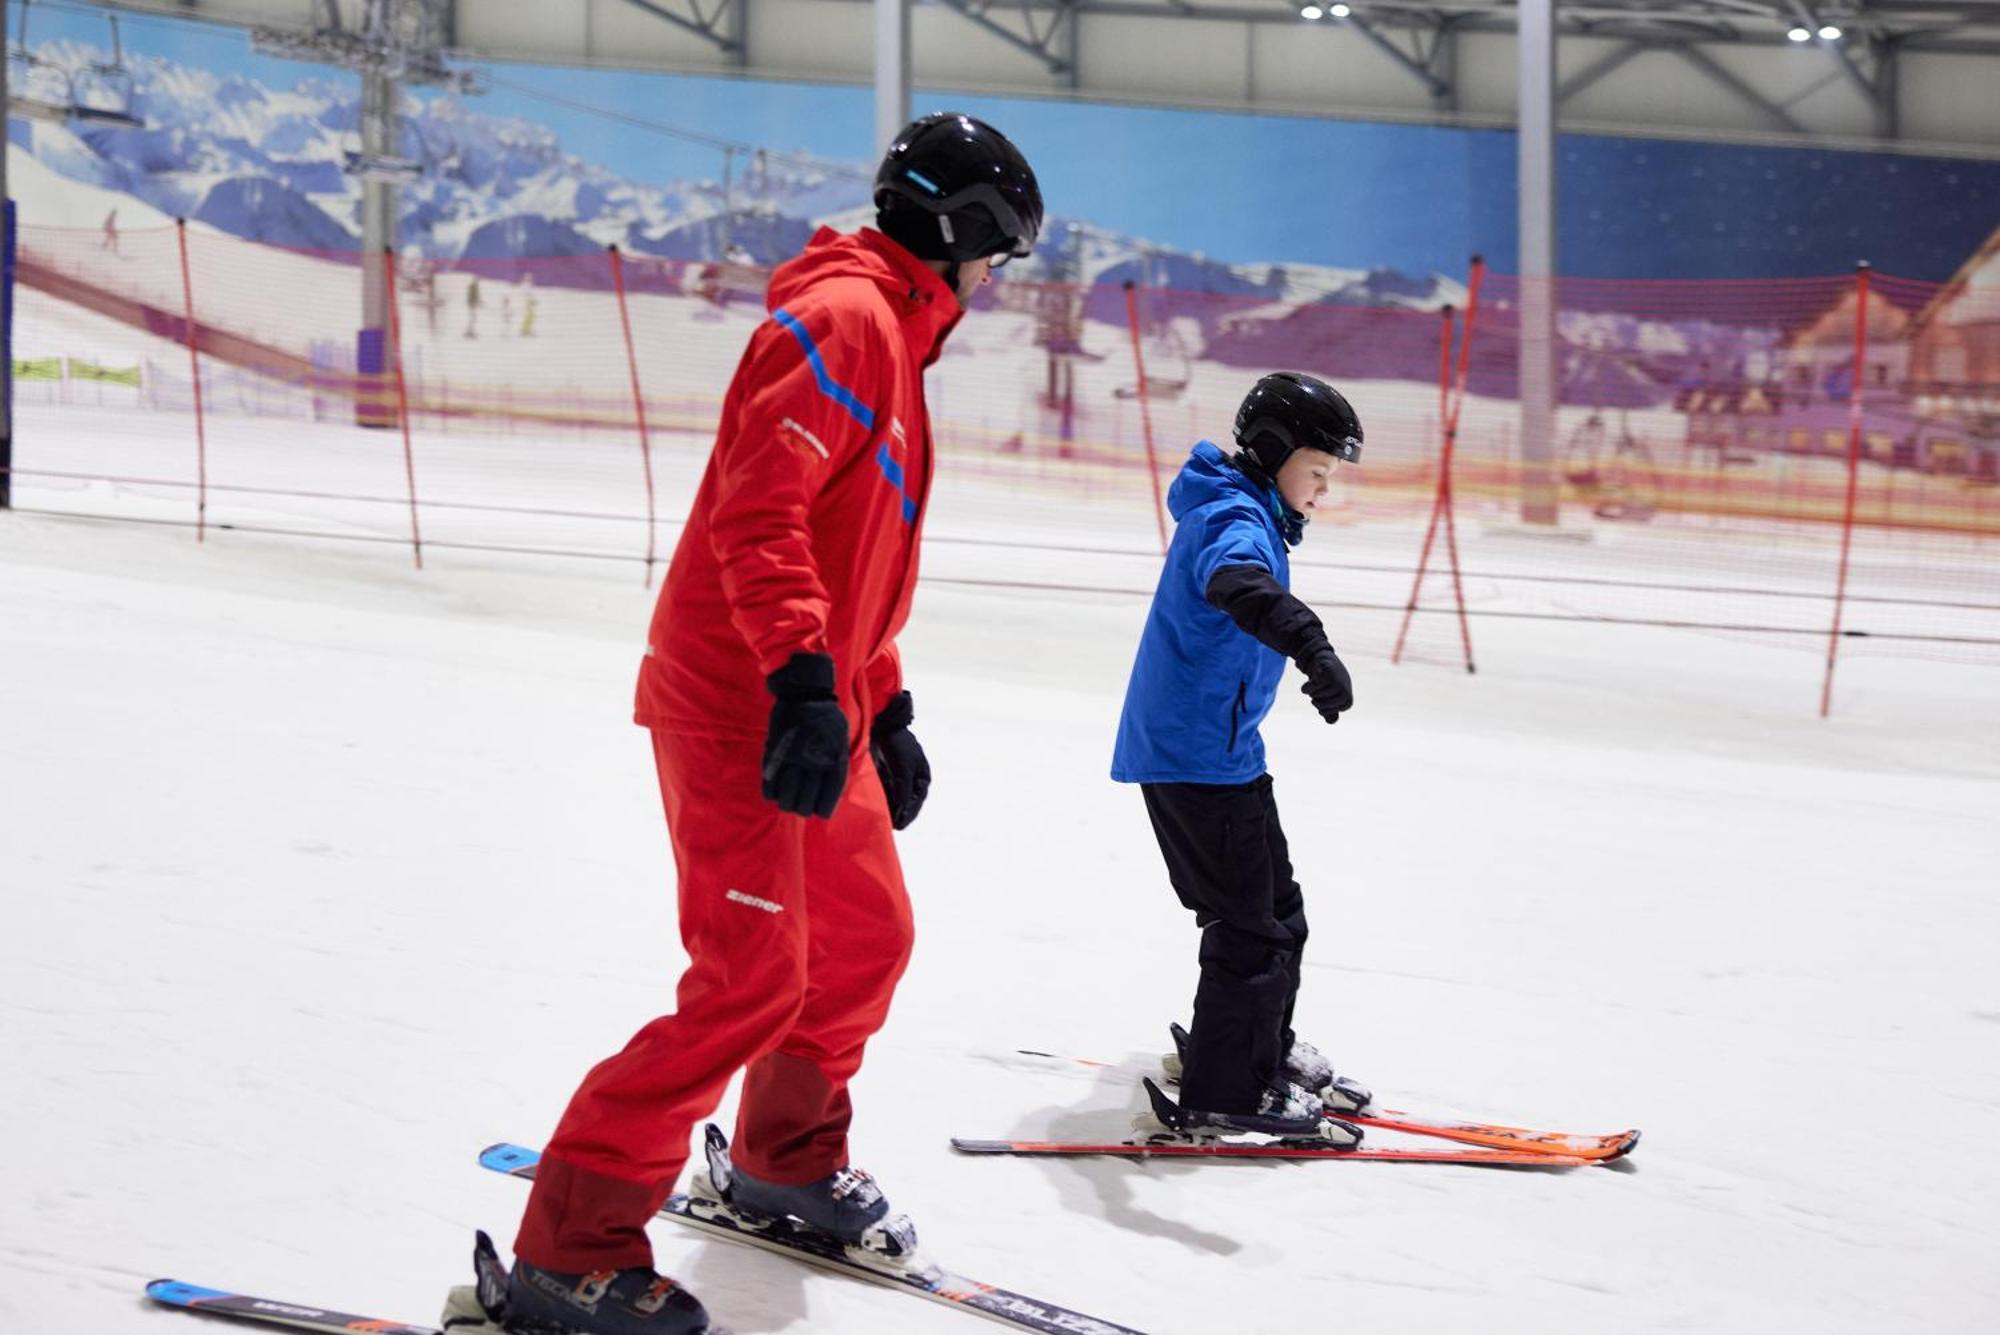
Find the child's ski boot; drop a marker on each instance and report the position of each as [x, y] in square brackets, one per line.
[1304, 1066]
[1286, 1111]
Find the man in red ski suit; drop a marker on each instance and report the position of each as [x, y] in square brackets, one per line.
[780, 727]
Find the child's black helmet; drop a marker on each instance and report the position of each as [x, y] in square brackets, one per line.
[954, 188]
[1288, 411]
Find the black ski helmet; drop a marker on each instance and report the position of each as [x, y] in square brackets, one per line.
[951, 187]
[1287, 411]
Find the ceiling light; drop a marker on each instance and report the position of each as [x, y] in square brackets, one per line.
[1311, 12]
[1339, 11]
[1829, 33]
[1799, 34]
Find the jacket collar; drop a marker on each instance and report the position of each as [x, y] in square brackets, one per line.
[928, 308]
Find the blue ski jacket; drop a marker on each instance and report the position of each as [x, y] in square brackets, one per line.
[1201, 685]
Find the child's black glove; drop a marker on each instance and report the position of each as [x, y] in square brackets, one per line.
[900, 760]
[805, 752]
[1260, 606]
[1327, 684]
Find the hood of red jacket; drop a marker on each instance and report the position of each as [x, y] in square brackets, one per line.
[925, 305]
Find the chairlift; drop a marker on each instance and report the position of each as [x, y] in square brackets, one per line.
[113, 76]
[389, 167]
[1166, 349]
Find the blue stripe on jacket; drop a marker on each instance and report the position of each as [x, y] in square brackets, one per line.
[828, 386]
[893, 472]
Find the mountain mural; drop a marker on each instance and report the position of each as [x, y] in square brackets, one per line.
[270, 165]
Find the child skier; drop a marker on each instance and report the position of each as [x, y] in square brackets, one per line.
[1208, 669]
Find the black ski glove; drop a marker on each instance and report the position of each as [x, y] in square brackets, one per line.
[805, 753]
[1260, 606]
[1327, 684]
[900, 760]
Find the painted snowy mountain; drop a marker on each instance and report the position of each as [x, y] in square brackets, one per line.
[270, 165]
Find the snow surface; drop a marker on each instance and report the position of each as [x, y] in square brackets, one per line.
[324, 873]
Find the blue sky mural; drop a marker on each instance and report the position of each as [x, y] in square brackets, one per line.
[1239, 189]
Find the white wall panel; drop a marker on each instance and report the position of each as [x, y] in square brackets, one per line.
[1951, 99]
[1486, 75]
[950, 51]
[1659, 88]
[811, 40]
[616, 30]
[1836, 107]
[1147, 59]
[1327, 65]
[519, 31]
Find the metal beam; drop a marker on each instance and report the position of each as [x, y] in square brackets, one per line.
[1444, 63]
[1536, 187]
[892, 71]
[1614, 59]
[1438, 87]
[1888, 72]
[1040, 51]
[739, 33]
[1072, 34]
[1932, 25]
[704, 30]
[1706, 63]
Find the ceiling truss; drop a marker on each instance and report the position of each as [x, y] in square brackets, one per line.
[1420, 37]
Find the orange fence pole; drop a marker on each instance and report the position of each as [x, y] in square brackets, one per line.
[1444, 506]
[1451, 450]
[1857, 380]
[194, 366]
[402, 399]
[1444, 465]
[1145, 411]
[638, 404]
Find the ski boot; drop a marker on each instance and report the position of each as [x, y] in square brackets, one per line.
[534, 1301]
[1307, 1067]
[845, 1208]
[1286, 1111]
[1304, 1066]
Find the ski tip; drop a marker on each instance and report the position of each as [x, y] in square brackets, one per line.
[507, 1158]
[712, 1137]
[1631, 1143]
[176, 1294]
[1090, 1062]
[964, 1146]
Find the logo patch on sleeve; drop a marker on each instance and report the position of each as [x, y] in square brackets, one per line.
[808, 437]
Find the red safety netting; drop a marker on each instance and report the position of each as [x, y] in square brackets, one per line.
[1710, 462]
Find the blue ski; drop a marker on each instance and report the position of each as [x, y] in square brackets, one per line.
[269, 1312]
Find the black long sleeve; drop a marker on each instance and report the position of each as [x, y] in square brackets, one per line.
[1258, 604]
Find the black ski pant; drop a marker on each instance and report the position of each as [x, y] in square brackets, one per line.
[1227, 859]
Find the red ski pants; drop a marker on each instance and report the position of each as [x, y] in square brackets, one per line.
[798, 930]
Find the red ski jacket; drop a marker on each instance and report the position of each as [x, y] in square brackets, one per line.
[803, 537]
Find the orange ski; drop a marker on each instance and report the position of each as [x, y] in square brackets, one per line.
[1490, 1135]
[1202, 1149]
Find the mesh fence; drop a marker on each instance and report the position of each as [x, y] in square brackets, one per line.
[1707, 447]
